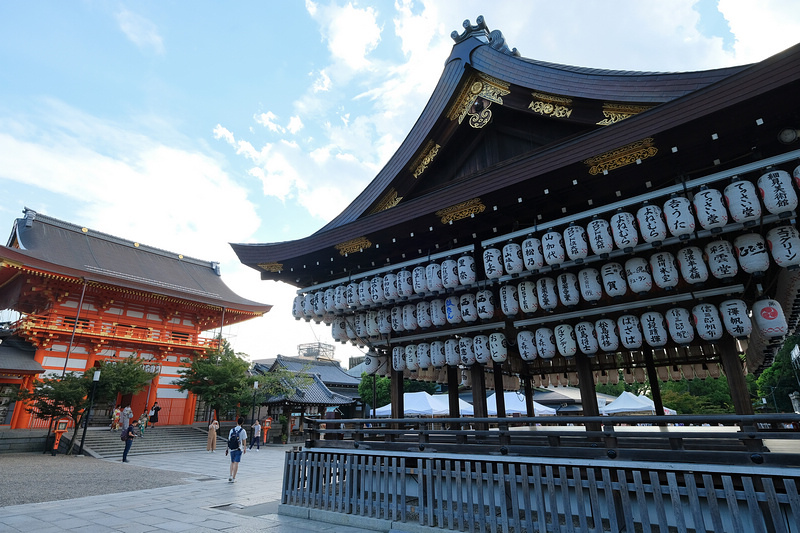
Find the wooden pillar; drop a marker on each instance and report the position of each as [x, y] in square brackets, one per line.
[737, 384]
[21, 417]
[188, 410]
[452, 392]
[526, 384]
[588, 391]
[652, 377]
[479, 395]
[499, 391]
[396, 394]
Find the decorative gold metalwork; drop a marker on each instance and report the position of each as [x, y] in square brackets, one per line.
[389, 200]
[477, 95]
[271, 267]
[625, 155]
[359, 244]
[551, 105]
[426, 158]
[617, 112]
[461, 211]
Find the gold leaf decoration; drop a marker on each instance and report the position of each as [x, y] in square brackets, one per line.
[271, 267]
[551, 105]
[426, 158]
[389, 200]
[617, 112]
[461, 211]
[359, 244]
[480, 91]
[625, 155]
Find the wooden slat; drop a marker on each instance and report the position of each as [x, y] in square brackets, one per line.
[551, 496]
[733, 504]
[608, 489]
[393, 492]
[307, 474]
[694, 501]
[779, 525]
[713, 502]
[565, 499]
[514, 483]
[752, 504]
[490, 493]
[625, 500]
[658, 501]
[502, 496]
[450, 499]
[479, 481]
[677, 505]
[438, 498]
[403, 487]
[288, 486]
[527, 497]
[370, 486]
[458, 496]
[579, 498]
[470, 487]
[794, 501]
[594, 501]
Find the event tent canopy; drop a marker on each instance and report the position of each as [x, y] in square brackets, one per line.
[423, 404]
[515, 403]
[627, 402]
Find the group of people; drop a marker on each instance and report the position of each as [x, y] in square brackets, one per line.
[133, 428]
[236, 445]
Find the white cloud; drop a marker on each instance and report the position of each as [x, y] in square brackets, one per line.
[351, 33]
[141, 31]
[322, 83]
[295, 125]
[268, 121]
[761, 29]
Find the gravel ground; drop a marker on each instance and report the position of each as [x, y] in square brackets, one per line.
[44, 478]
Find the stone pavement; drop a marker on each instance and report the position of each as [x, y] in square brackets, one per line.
[203, 501]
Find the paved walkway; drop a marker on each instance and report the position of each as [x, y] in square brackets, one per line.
[202, 501]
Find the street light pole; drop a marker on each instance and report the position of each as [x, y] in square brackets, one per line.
[95, 379]
[253, 414]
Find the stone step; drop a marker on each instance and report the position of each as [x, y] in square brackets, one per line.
[106, 444]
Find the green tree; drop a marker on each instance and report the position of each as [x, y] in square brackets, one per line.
[119, 376]
[778, 381]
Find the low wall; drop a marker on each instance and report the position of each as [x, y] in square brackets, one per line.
[23, 440]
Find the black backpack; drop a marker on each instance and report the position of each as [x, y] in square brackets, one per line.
[233, 440]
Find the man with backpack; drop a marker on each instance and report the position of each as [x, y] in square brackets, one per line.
[237, 441]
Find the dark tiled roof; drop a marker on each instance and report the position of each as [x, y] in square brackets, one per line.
[328, 371]
[17, 357]
[316, 393]
[46, 243]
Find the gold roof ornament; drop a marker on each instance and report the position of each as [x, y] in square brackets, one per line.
[625, 155]
[359, 244]
[479, 92]
[460, 211]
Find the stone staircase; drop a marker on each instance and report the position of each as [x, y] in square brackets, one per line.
[106, 444]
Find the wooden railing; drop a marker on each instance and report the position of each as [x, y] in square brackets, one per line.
[743, 476]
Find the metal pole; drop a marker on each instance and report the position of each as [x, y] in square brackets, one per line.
[95, 379]
[374, 393]
[253, 414]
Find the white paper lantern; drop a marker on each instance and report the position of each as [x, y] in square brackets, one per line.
[710, 210]
[364, 293]
[665, 273]
[623, 229]
[405, 284]
[512, 258]
[352, 295]
[372, 324]
[319, 303]
[576, 243]
[637, 273]
[606, 331]
[742, 200]
[553, 248]
[721, 259]
[587, 340]
[433, 278]
[418, 280]
[350, 329]
[735, 319]
[769, 318]
[796, 176]
[451, 309]
[777, 192]
[412, 363]
[679, 323]
[565, 340]
[545, 343]
[308, 306]
[480, 344]
[526, 344]
[372, 362]
[679, 218]
[630, 334]
[340, 297]
[377, 290]
[532, 254]
[330, 300]
[493, 263]
[526, 294]
[651, 223]
[384, 321]
[498, 346]
[568, 291]
[449, 272]
[751, 250]
[598, 231]
[784, 245]
[693, 268]
[451, 353]
[399, 358]
[466, 270]
[297, 307]
[612, 275]
[424, 314]
[466, 351]
[707, 322]
[424, 355]
[397, 319]
[360, 326]
[509, 303]
[438, 359]
[390, 287]
[590, 284]
[468, 307]
[485, 302]
[410, 317]
[438, 313]
[654, 328]
[547, 293]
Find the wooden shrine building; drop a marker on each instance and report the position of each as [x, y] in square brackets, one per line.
[84, 296]
[551, 224]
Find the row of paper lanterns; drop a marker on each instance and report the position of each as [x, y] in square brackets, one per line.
[628, 332]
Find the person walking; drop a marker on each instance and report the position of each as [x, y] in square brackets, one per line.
[237, 441]
[129, 435]
[211, 445]
[154, 415]
[256, 436]
[116, 422]
[125, 419]
[142, 423]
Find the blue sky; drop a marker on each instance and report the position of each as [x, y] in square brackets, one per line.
[189, 125]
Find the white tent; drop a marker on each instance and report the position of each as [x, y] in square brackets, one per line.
[648, 401]
[464, 407]
[421, 404]
[628, 402]
[515, 403]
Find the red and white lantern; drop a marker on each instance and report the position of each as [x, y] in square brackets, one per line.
[438, 359]
[468, 307]
[710, 210]
[493, 263]
[613, 280]
[679, 323]
[449, 270]
[751, 250]
[526, 293]
[526, 344]
[547, 293]
[532, 253]
[654, 328]
[438, 313]
[390, 287]
[630, 334]
[498, 346]
[777, 192]
[623, 229]
[452, 311]
[784, 245]
[735, 319]
[693, 268]
[410, 317]
[665, 273]
[590, 284]
[466, 270]
[553, 248]
[742, 200]
[721, 259]
[545, 343]
[485, 301]
[707, 322]
[424, 314]
[418, 280]
[508, 300]
[399, 358]
[637, 272]
[396, 318]
[512, 258]
[576, 243]
[451, 353]
[769, 318]
[433, 278]
[605, 330]
[565, 340]
[568, 291]
[587, 341]
[679, 217]
[412, 363]
[598, 231]
[405, 284]
[424, 355]
[480, 344]
[651, 223]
